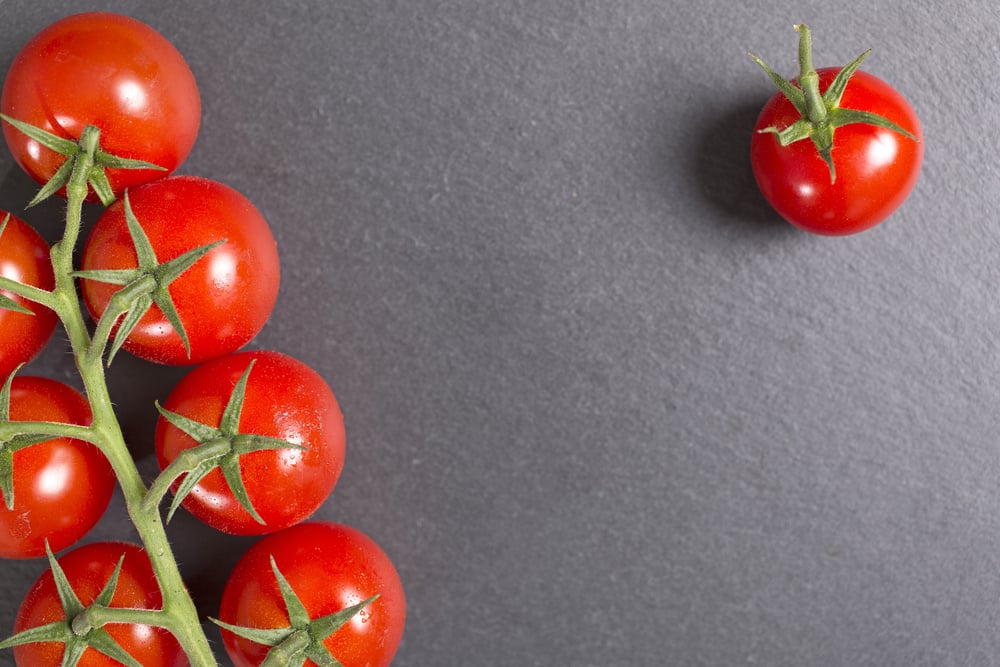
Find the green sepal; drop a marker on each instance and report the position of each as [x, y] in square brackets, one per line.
[303, 637]
[97, 177]
[262, 636]
[128, 324]
[54, 142]
[98, 181]
[58, 181]
[820, 114]
[323, 627]
[158, 291]
[221, 448]
[787, 88]
[7, 464]
[9, 447]
[110, 161]
[6, 302]
[840, 117]
[800, 129]
[50, 632]
[76, 642]
[66, 147]
[835, 91]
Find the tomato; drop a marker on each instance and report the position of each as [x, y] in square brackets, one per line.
[223, 300]
[329, 567]
[61, 487]
[88, 569]
[875, 167]
[24, 257]
[284, 399]
[110, 71]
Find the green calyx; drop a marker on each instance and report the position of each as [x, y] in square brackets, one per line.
[8, 446]
[303, 637]
[143, 286]
[85, 154]
[18, 435]
[820, 113]
[219, 447]
[6, 302]
[83, 625]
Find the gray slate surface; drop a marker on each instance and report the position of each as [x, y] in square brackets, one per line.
[603, 407]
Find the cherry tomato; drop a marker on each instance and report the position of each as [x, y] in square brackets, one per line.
[330, 567]
[110, 71]
[223, 300]
[24, 257]
[61, 487]
[88, 569]
[876, 168]
[284, 399]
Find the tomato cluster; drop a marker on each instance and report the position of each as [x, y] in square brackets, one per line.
[178, 270]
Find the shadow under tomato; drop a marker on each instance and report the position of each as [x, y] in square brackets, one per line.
[17, 189]
[206, 556]
[720, 155]
[47, 217]
[135, 385]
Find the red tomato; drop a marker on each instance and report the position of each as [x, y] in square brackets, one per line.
[876, 168]
[61, 487]
[88, 569]
[330, 567]
[223, 300]
[24, 257]
[109, 71]
[284, 399]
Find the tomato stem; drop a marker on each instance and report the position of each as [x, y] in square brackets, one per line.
[179, 614]
[10, 429]
[808, 78]
[186, 462]
[98, 616]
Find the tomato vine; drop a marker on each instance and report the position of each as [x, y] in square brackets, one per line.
[179, 270]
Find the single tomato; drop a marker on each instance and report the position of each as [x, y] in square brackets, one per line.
[329, 568]
[869, 168]
[24, 257]
[223, 300]
[109, 71]
[284, 399]
[88, 569]
[61, 486]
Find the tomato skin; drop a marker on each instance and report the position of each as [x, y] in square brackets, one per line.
[88, 568]
[110, 71]
[876, 168]
[61, 487]
[24, 257]
[330, 567]
[284, 399]
[223, 300]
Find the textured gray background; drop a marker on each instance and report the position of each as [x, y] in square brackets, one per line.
[603, 407]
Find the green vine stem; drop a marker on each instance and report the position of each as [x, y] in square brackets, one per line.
[117, 307]
[97, 617]
[187, 461]
[28, 292]
[9, 430]
[178, 614]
